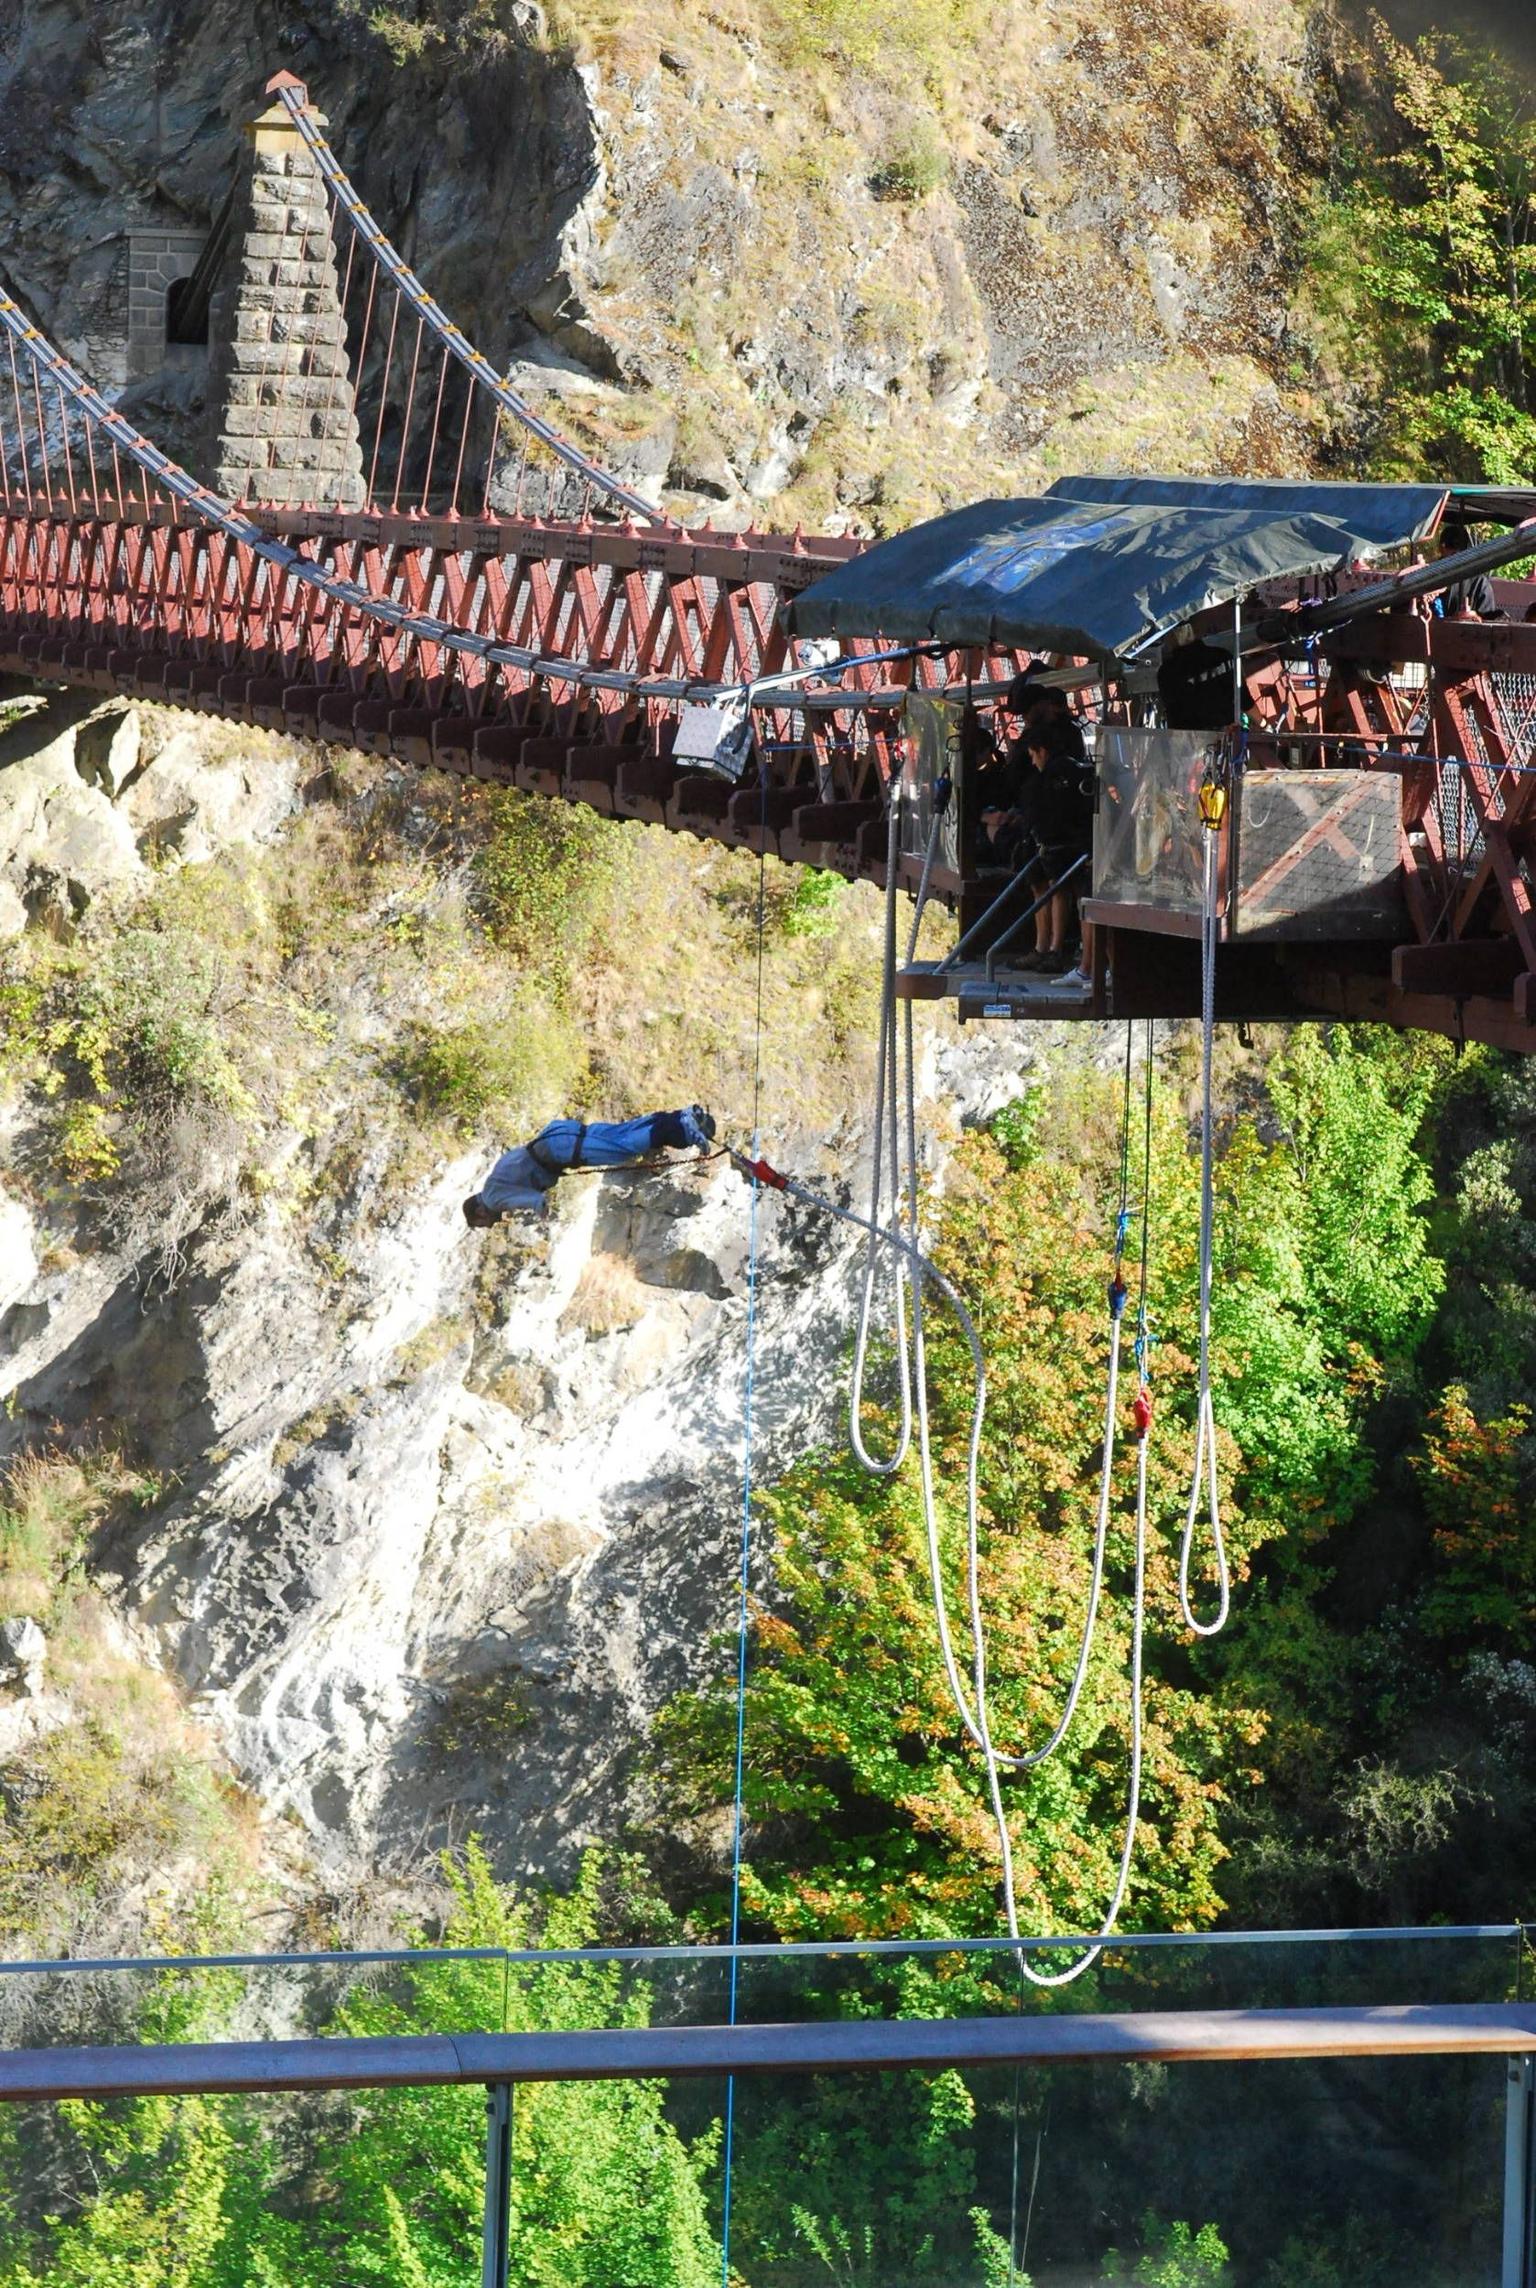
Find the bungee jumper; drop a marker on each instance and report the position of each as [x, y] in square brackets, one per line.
[523, 1177]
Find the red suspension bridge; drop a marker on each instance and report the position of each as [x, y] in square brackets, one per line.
[417, 563]
[396, 550]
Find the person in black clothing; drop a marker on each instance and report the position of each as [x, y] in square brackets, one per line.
[1048, 826]
[1194, 687]
[1471, 599]
[1002, 791]
[1046, 707]
[1005, 785]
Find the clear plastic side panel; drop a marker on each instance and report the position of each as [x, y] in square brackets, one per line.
[931, 728]
[1148, 845]
[1319, 856]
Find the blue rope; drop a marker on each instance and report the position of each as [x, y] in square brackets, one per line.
[744, 1579]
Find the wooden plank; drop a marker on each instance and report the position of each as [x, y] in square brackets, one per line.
[821, 2046]
[1377, 1001]
[923, 981]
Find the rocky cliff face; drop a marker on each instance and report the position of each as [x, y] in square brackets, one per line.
[427, 1524]
[442, 1535]
[839, 262]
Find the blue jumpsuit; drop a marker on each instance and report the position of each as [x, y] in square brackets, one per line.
[522, 1177]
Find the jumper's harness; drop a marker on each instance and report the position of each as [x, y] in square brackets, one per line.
[552, 1167]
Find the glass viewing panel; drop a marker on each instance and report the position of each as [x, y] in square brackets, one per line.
[931, 730]
[1275, 2175]
[1149, 844]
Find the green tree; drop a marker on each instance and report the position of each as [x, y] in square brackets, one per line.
[1422, 257]
[1176, 2256]
[605, 2193]
[1471, 1473]
[866, 1805]
[389, 2186]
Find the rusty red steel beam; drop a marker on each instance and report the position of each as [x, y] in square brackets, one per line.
[190, 587]
[167, 606]
[789, 561]
[158, 600]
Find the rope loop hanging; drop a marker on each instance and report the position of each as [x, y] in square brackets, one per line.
[886, 1141]
[1213, 808]
[920, 1272]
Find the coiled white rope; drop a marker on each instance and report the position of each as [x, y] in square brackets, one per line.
[912, 1270]
[886, 1139]
[972, 1707]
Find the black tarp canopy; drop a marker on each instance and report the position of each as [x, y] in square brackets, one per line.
[1101, 566]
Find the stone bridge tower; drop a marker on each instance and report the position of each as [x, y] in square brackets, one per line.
[282, 413]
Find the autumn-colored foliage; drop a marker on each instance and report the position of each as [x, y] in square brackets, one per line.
[865, 1804]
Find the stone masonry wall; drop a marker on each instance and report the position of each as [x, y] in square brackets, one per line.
[282, 420]
[156, 259]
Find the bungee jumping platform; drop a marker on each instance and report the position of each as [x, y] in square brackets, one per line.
[1302, 648]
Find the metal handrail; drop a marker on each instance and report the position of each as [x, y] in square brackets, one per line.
[977, 926]
[805, 1950]
[1030, 912]
[633, 2053]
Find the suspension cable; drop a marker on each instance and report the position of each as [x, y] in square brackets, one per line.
[295, 101]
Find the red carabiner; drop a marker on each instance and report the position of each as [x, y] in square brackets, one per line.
[761, 1170]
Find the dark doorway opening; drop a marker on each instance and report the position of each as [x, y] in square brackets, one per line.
[186, 314]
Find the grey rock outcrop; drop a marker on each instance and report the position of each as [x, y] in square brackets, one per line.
[92, 794]
[23, 1650]
[448, 1518]
[851, 300]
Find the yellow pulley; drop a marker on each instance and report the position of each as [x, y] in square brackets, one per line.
[1213, 803]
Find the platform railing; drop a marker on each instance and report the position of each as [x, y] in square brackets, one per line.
[1398, 2064]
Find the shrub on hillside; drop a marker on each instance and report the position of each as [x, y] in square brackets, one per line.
[129, 1041]
[541, 878]
[524, 1063]
[914, 164]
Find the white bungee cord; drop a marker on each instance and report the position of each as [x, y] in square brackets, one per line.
[1212, 809]
[911, 1270]
[886, 1136]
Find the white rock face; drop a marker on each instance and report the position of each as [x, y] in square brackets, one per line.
[82, 809]
[189, 805]
[449, 1516]
[23, 1650]
[61, 840]
[440, 1544]
[18, 1259]
[539, 1516]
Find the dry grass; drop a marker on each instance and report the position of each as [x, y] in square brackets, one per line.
[609, 1295]
[768, 219]
[119, 1789]
[409, 967]
[669, 1005]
